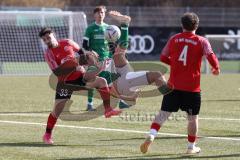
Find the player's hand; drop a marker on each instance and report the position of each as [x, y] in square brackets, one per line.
[80, 68]
[215, 71]
[92, 53]
[114, 13]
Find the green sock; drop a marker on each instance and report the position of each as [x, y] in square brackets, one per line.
[110, 77]
[123, 40]
[90, 95]
[164, 89]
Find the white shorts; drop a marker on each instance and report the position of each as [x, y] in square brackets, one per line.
[130, 81]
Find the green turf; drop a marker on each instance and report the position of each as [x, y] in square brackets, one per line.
[33, 68]
[32, 97]
[230, 66]
[27, 68]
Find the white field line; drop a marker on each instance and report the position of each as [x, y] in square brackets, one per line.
[112, 130]
[220, 119]
[123, 116]
[25, 114]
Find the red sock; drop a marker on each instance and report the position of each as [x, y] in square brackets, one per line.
[192, 138]
[105, 94]
[155, 126]
[50, 123]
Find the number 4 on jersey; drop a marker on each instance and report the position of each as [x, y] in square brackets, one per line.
[183, 55]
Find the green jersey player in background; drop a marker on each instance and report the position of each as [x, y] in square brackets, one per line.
[94, 40]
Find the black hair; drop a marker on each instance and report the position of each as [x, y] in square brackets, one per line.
[99, 8]
[44, 31]
[190, 21]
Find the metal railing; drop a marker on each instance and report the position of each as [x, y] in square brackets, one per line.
[170, 16]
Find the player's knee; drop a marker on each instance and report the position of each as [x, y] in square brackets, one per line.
[153, 76]
[192, 119]
[89, 77]
[58, 108]
[101, 81]
[161, 117]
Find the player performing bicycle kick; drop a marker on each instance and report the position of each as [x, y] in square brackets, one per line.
[118, 72]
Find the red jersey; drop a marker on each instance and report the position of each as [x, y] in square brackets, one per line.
[65, 51]
[184, 52]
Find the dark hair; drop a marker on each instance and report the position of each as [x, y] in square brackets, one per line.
[190, 21]
[99, 8]
[44, 31]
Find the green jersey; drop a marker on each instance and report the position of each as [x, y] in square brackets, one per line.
[97, 42]
[109, 72]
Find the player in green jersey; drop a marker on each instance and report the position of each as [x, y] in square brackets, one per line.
[94, 34]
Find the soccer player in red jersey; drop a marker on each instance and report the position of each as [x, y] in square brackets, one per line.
[60, 56]
[183, 53]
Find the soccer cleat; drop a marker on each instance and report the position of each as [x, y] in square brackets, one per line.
[123, 104]
[111, 112]
[90, 108]
[193, 150]
[119, 17]
[148, 141]
[47, 138]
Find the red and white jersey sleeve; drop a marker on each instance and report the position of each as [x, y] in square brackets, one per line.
[208, 52]
[207, 49]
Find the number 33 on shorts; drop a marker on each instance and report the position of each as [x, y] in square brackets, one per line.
[63, 92]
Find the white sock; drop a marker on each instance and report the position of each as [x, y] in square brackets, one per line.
[153, 132]
[90, 103]
[191, 145]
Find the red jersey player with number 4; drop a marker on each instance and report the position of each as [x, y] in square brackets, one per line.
[184, 52]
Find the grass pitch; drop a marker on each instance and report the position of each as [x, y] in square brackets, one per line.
[27, 101]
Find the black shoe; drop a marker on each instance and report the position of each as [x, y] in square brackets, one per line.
[123, 105]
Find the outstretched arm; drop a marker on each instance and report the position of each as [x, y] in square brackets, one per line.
[65, 68]
[124, 20]
[211, 57]
[213, 61]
